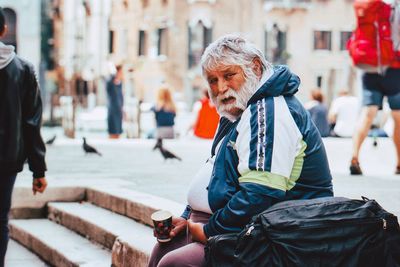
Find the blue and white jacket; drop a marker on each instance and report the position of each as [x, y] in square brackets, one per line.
[272, 153]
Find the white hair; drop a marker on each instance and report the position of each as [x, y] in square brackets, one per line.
[232, 49]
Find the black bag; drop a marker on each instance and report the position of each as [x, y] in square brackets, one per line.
[319, 232]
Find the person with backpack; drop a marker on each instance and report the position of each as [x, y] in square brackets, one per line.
[20, 121]
[374, 49]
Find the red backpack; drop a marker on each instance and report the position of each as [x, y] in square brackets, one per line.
[371, 45]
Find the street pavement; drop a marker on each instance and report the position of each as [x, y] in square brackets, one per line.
[134, 160]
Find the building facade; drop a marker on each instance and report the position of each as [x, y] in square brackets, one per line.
[162, 40]
[81, 48]
[314, 43]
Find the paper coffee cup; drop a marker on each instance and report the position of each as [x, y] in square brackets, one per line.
[162, 221]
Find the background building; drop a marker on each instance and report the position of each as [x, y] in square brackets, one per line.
[313, 41]
[162, 40]
[81, 48]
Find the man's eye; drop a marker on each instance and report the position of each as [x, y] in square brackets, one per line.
[212, 81]
[229, 75]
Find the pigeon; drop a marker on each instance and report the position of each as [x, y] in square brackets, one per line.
[158, 144]
[164, 152]
[51, 140]
[89, 149]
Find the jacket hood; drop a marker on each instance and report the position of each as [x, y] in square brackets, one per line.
[282, 82]
[7, 54]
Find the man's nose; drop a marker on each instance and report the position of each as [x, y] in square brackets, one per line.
[222, 86]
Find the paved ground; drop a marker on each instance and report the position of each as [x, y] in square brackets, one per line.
[145, 170]
[134, 161]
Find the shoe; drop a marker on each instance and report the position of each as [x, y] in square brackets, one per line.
[355, 167]
[397, 170]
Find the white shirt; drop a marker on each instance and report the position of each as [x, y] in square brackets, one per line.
[346, 109]
[197, 196]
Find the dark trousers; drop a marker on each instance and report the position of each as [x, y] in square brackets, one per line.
[6, 187]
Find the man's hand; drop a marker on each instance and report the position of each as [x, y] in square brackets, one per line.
[179, 225]
[39, 185]
[196, 229]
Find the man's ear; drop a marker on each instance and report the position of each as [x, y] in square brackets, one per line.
[4, 32]
[257, 67]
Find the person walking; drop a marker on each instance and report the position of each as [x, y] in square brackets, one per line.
[165, 112]
[20, 122]
[115, 104]
[380, 81]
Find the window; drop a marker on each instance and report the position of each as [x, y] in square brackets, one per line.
[344, 37]
[11, 37]
[199, 38]
[322, 40]
[275, 45]
[162, 44]
[111, 42]
[319, 81]
[142, 43]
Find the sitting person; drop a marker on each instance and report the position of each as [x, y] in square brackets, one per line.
[343, 114]
[266, 150]
[165, 112]
[318, 112]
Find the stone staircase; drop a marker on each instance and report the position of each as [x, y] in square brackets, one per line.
[98, 226]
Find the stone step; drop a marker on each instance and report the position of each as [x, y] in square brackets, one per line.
[136, 205]
[18, 256]
[104, 226]
[57, 245]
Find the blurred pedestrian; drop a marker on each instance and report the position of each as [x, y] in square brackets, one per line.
[20, 121]
[343, 114]
[207, 117]
[318, 112]
[375, 87]
[165, 112]
[115, 103]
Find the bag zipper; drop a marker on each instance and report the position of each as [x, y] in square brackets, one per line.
[250, 229]
[341, 223]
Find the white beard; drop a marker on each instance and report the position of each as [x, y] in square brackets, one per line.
[242, 96]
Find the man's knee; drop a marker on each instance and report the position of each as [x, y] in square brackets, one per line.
[169, 260]
[181, 258]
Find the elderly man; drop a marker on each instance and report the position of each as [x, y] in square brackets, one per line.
[266, 151]
[20, 119]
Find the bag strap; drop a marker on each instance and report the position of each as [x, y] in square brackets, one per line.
[395, 24]
[378, 43]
